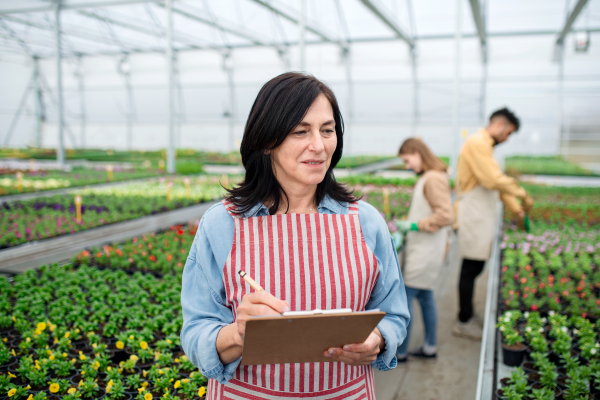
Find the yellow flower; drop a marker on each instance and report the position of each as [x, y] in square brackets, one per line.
[119, 345]
[108, 388]
[96, 365]
[12, 351]
[133, 357]
[161, 372]
[64, 355]
[27, 387]
[12, 392]
[67, 334]
[28, 339]
[11, 375]
[148, 396]
[131, 337]
[145, 384]
[143, 345]
[41, 326]
[185, 380]
[176, 360]
[140, 390]
[108, 368]
[201, 391]
[177, 384]
[110, 383]
[71, 390]
[169, 341]
[30, 397]
[5, 339]
[52, 357]
[145, 373]
[54, 387]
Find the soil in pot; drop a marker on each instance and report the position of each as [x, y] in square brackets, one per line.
[557, 390]
[12, 364]
[513, 355]
[533, 378]
[529, 367]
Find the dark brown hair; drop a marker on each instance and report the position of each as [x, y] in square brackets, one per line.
[278, 109]
[428, 160]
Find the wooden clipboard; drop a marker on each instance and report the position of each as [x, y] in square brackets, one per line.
[304, 338]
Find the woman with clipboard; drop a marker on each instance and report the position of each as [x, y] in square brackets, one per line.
[306, 240]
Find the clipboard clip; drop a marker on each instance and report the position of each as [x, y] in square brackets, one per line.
[316, 312]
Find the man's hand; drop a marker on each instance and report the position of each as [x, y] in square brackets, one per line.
[361, 353]
[527, 204]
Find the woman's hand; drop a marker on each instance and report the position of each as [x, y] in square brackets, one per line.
[361, 353]
[231, 337]
[257, 303]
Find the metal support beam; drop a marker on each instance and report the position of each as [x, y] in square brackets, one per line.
[388, 20]
[455, 134]
[484, 70]
[415, 92]
[570, 21]
[289, 15]
[302, 33]
[60, 152]
[480, 25]
[228, 68]
[124, 69]
[39, 105]
[82, 114]
[171, 94]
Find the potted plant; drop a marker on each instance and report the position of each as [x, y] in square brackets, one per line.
[513, 349]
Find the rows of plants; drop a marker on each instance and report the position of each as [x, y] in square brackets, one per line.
[549, 299]
[182, 155]
[61, 339]
[39, 180]
[544, 165]
[24, 221]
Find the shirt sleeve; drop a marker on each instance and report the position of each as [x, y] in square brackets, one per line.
[203, 300]
[511, 203]
[388, 294]
[437, 193]
[488, 172]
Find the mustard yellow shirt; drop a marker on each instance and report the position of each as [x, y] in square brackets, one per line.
[477, 166]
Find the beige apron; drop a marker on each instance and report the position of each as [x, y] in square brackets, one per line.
[477, 214]
[425, 251]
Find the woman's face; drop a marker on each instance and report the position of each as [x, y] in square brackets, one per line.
[305, 155]
[412, 161]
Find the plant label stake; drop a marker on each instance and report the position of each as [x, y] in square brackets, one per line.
[109, 172]
[188, 192]
[225, 181]
[386, 201]
[78, 208]
[169, 185]
[161, 165]
[19, 181]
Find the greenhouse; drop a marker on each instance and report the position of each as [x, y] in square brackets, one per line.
[245, 199]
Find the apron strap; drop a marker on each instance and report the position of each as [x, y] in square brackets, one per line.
[353, 208]
[231, 208]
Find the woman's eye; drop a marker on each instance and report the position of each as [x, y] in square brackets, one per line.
[329, 131]
[299, 132]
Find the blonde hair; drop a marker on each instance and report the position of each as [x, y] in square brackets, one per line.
[428, 160]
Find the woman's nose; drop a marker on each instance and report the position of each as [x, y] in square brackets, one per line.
[316, 142]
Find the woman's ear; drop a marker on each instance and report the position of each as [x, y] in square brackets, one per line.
[267, 152]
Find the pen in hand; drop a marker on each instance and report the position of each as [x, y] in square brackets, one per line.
[251, 281]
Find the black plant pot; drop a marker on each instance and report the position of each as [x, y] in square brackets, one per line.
[529, 367]
[513, 357]
[12, 364]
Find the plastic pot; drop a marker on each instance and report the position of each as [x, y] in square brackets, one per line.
[513, 356]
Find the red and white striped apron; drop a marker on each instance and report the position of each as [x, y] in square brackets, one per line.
[311, 261]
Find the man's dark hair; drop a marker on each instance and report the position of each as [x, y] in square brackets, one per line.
[278, 109]
[509, 115]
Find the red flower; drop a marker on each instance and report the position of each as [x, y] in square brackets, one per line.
[152, 258]
[534, 307]
[180, 232]
[169, 257]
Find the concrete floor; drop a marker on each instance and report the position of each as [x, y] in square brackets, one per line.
[453, 375]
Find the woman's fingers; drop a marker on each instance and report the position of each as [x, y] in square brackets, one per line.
[278, 306]
[351, 358]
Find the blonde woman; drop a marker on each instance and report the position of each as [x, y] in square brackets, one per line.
[426, 238]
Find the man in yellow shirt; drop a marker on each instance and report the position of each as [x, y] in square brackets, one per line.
[479, 184]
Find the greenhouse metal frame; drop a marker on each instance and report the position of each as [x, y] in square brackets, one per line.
[11, 14]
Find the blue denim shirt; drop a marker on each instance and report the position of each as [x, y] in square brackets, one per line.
[203, 292]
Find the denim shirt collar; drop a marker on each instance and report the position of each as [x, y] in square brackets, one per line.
[327, 204]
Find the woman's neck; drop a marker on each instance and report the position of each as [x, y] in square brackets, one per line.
[301, 200]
